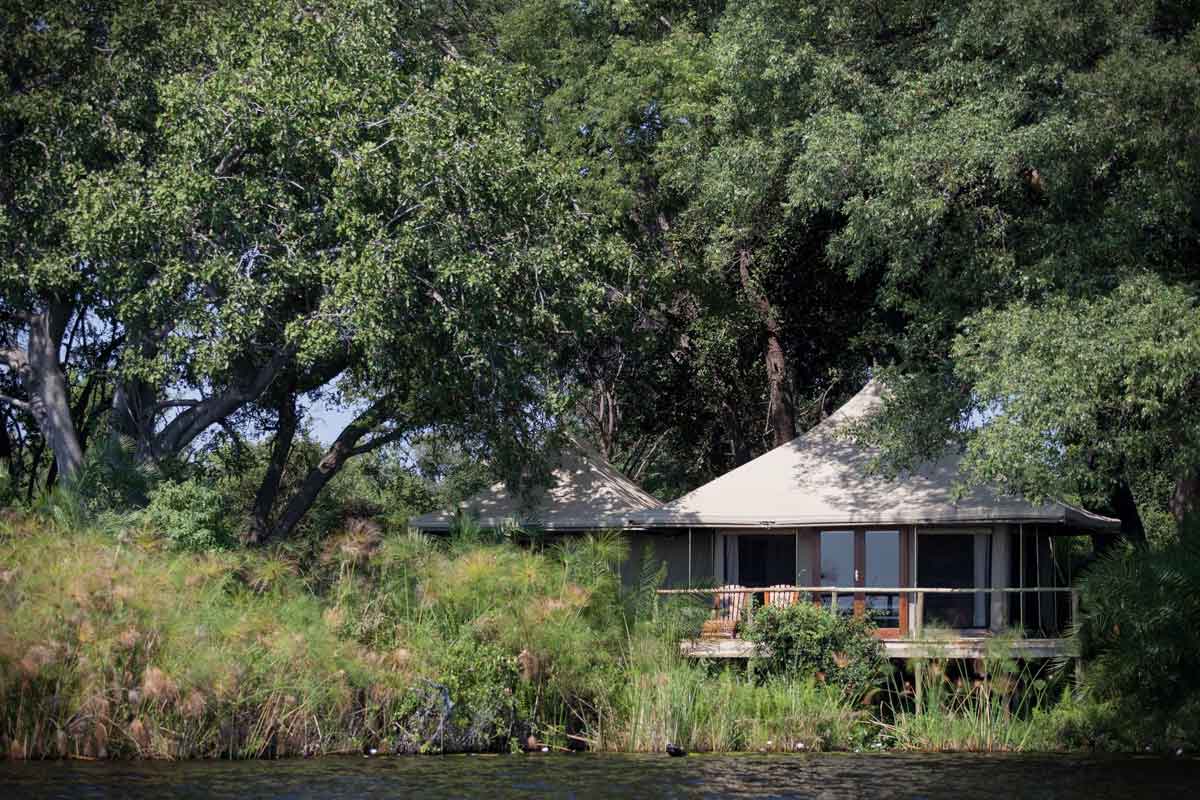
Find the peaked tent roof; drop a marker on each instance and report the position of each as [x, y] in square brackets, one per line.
[587, 494]
[823, 478]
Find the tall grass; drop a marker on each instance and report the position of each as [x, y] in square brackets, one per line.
[109, 649]
[995, 704]
[687, 705]
[112, 645]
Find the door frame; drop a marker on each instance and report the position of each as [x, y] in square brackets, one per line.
[984, 538]
[860, 568]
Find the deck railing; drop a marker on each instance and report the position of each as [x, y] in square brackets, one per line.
[916, 596]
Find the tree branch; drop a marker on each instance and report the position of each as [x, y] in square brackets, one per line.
[180, 431]
[228, 161]
[20, 405]
[379, 441]
[343, 448]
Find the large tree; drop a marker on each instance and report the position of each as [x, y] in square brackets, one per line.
[1023, 180]
[301, 196]
[740, 332]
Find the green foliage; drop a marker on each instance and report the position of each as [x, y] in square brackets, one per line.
[808, 641]
[1140, 644]
[189, 515]
[1116, 396]
[473, 705]
[486, 224]
[252, 201]
[401, 643]
[113, 479]
[995, 704]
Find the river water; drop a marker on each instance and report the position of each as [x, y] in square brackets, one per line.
[618, 776]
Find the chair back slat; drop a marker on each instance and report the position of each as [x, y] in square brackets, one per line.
[729, 603]
[782, 595]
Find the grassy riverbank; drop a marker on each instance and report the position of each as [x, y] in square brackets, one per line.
[114, 646]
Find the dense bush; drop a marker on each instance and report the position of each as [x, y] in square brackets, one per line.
[476, 701]
[807, 640]
[1141, 643]
[190, 515]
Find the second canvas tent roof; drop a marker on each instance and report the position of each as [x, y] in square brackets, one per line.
[824, 477]
[587, 494]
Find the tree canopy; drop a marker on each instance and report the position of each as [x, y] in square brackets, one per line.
[683, 230]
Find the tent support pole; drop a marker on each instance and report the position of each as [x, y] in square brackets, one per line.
[1021, 534]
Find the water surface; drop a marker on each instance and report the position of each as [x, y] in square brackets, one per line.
[831, 776]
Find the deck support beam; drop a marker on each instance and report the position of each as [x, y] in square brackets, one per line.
[972, 647]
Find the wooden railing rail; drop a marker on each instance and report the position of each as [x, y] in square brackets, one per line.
[917, 593]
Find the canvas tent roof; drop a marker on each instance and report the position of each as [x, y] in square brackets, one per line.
[587, 494]
[823, 478]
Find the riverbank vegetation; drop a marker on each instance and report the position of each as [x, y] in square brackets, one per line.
[121, 642]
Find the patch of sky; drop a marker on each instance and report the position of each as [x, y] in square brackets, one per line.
[648, 130]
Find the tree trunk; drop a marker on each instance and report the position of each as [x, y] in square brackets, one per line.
[1185, 499]
[268, 490]
[133, 408]
[1126, 509]
[781, 413]
[41, 373]
[343, 448]
[7, 450]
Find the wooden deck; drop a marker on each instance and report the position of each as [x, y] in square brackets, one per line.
[963, 647]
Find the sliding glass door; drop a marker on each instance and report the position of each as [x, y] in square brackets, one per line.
[855, 560]
[837, 567]
[955, 560]
[881, 554]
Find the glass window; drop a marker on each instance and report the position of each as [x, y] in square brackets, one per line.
[954, 561]
[837, 567]
[883, 569]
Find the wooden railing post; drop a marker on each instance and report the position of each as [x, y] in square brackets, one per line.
[1074, 606]
[919, 622]
[833, 604]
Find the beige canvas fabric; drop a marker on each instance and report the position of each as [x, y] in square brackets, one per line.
[588, 494]
[823, 478]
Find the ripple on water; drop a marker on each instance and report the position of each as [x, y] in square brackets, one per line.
[932, 776]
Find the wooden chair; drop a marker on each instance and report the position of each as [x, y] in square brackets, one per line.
[728, 607]
[782, 594]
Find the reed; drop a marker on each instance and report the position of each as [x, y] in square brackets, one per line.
[112, 645]
[660, 697]
[991, 705]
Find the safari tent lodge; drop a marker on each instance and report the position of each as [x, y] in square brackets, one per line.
[810, 521]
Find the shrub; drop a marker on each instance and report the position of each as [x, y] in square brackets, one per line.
[1140, 642]
[474, 702]
[806, 640]
[190, 516]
